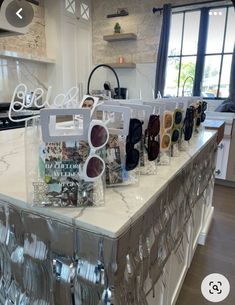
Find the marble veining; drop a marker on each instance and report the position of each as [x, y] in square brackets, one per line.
[123, 199]
[15, 71]
[123, 205]
[4, 165]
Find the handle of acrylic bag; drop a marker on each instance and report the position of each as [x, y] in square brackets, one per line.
[51, 132]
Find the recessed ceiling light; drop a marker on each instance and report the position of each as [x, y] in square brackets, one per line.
[220, 13]
[210, 13]
[215, 13]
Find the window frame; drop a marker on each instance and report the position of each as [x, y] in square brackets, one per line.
[201, 64]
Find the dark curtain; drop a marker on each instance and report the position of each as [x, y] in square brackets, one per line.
[203, 33]
[162, 56]
[232, 79]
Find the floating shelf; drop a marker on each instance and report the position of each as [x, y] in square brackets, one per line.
[16, 55]
[120, 37]
[118, 15]
[126, 65]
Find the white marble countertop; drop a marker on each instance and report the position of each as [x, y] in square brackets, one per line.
[123, 205]
[228, 117]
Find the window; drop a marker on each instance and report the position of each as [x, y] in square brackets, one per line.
[70, 6]
[80, 9]
[183, 55]
[85, 11]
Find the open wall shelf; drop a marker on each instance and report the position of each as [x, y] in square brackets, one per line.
[120, 37]
[126, 65]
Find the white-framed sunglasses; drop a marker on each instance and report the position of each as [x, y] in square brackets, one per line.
[94, 166]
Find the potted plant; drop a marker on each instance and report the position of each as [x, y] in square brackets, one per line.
[117, 28]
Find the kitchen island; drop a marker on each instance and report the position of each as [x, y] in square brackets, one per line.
[135, 250]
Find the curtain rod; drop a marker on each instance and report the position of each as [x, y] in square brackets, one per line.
[155, 10]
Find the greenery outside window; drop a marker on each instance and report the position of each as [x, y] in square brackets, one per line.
[183, 54]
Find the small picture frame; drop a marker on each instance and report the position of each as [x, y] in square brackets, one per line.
[89, 102]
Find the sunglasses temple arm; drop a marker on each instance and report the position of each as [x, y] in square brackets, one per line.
[95, 106]
[106, 122]
[99, 104]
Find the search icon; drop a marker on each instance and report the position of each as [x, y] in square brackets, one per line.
[215, 287]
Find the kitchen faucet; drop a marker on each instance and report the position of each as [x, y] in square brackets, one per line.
[109, 67]
[185, 83]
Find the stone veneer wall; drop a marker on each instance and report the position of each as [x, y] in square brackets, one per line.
[34, 42]
[14, 71]
[141, 21]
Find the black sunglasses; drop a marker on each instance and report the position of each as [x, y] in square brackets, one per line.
[204, 106]
[134, 136]
[151, 133]
[203, 115]
[199, 109]
[188, 124]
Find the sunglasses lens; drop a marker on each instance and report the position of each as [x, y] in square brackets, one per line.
[168, 121]
[95, 167]
[175, 135]
[153, 150]
[153, 125]
[98, 136]
[178, 117]
[199, 109]
[198, 122]
[188, 131]
[203, 117]
[166, 141]
[135, 131]
[191, 113]
[132, 159]
[204, 106]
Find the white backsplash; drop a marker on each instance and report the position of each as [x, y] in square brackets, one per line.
[13, 72]
[139, 81]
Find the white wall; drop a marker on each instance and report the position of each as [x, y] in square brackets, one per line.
[139, 81]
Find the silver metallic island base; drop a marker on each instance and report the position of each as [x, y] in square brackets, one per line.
[48, 260]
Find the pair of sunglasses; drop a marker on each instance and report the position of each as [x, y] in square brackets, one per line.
[94, 165]
[200, 110]
[176, 131]
[198, 114]
[134, 136]
[204, 108]
[151, 133]
[168, 122]
[188, 123]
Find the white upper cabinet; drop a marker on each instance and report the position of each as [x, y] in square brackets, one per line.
[69, 38]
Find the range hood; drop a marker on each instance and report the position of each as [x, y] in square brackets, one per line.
[5, 28]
